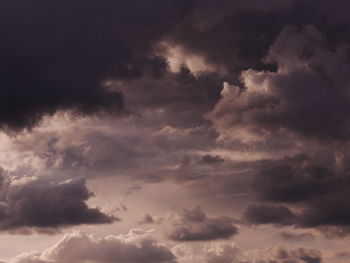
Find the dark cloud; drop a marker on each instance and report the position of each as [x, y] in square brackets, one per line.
[179, 99]
[56, 55]
[289, 183]
[257, 78]
[194, 225]
[238, 34]
[232, 34]
[212, 159]
[317, 191]
[41, 203]
[306, 96]
[297, 237]
[265, 214]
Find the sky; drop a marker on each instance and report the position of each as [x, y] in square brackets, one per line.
[174, 131]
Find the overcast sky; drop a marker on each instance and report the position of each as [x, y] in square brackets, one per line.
[174, 131]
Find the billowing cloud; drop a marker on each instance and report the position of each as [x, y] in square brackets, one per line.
[138, 246]
[242, 106]
[46, 204]
[194, 225]
[307, 95]
[68, 62]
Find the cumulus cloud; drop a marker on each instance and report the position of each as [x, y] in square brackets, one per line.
[46, 204]
[305, 87]
[242, 102]
[225, 252]
[138, 246]
[194, 225]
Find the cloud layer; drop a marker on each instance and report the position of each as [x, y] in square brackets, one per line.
[239, 107]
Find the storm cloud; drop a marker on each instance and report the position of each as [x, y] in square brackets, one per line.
[315, 191]
[240, 107]
[46, 204]
[56, 55]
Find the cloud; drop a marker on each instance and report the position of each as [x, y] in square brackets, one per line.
[95, 147]
[194, 225]
[265, 214]
[210, 159]
[176, 98]
[83, 46]
[316, 191]
[226, 252]
[342, 255]
[294, 182]
[261, 82]
[138, 246]
[291, 236]
[310, 82]
[280, 255]
[45, 204]
[231, 36]
[57, 55]
[147, 219]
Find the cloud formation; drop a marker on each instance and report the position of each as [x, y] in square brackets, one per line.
[56, 55]
[46, 204]
[306, 96]
[138, 246]
[229, 252]
[194, 225]
[308, 195]
[264, 214]
[241, 106]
